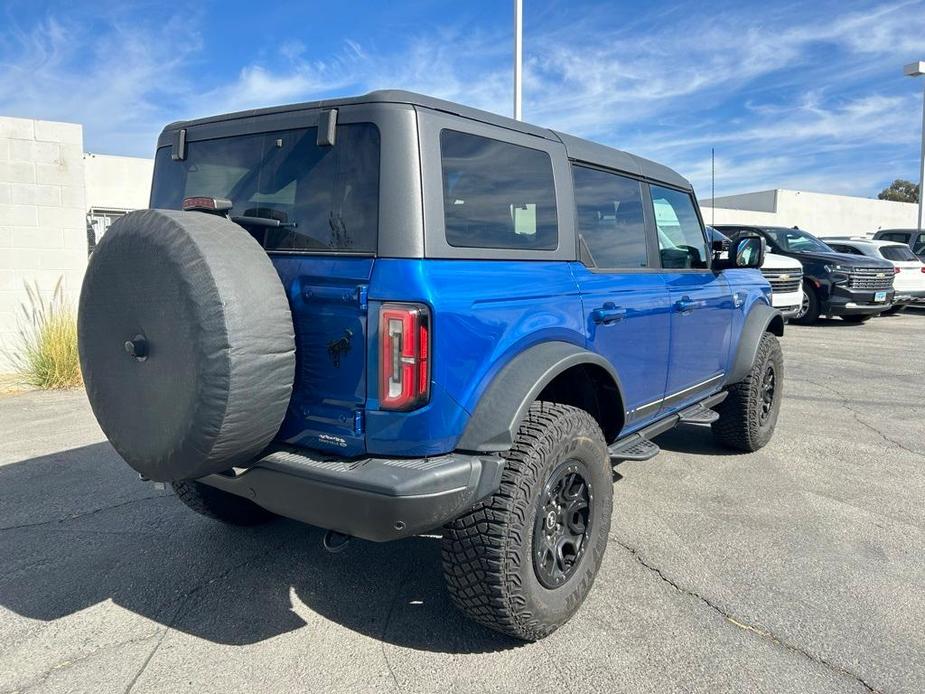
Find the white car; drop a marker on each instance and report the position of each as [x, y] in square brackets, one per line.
[784, 274]
[909, 282]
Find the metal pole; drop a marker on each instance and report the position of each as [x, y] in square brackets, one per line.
[518, 60]
[922, 172]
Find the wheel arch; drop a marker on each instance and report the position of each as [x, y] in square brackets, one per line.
[559, 371]
[761, 318]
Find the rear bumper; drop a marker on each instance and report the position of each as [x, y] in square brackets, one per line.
[375, 499]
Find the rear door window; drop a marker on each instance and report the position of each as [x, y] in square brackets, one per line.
[611, 223]
[326, 199]
[682, 244]
[497, 194]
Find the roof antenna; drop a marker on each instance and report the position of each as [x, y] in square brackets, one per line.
[712, 187]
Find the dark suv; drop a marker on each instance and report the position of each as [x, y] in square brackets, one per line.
[852, 287]
[913, 238]
[390, 314]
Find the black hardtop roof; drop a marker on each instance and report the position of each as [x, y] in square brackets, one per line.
[577, 148]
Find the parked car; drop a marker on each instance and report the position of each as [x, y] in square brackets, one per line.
[856, 288]
[386, 314]
[909, 280]
[784, 274]
[913, 238]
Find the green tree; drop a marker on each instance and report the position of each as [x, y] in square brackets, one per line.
[900, 190]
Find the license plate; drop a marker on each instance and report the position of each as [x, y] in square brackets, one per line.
[880, 297]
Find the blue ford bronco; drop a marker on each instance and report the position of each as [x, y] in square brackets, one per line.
[391, 314]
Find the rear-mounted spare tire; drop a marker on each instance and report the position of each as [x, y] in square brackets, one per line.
[186, 343]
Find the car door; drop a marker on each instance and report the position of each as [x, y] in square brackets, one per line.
[623, 293]
[701, 300]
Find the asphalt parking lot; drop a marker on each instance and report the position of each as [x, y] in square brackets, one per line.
[799, 568]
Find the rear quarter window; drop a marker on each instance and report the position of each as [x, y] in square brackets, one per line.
[497, 194]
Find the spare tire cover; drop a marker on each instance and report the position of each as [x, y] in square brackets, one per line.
[186, 343]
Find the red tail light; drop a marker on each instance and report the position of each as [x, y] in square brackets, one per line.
[895, 270]
[404, 356]
[923, 268]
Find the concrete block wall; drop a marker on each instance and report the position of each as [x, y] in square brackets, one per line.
[43, 235]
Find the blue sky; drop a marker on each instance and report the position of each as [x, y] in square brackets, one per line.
[791, 95]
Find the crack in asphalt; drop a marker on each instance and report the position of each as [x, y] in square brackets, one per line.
[83, 514]
[184, 600]
[388, 621]
[845, 402]
[67, 664]
[759, 631]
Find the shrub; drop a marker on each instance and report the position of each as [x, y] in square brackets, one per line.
[46, 353]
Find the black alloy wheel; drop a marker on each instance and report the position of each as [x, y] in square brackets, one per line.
[563, 521]
[768, 389]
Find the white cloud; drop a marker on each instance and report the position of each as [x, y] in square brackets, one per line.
[796, 79]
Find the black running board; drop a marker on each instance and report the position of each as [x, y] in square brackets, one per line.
[639, 446]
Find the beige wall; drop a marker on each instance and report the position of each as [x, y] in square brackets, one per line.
[819, 213]
[119, 183]
[43, 236]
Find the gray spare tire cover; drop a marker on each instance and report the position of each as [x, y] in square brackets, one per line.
[186, 343]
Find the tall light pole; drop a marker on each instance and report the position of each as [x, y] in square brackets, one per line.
[518, 57]
[917, 70]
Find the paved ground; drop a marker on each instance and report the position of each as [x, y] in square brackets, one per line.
[799, 568]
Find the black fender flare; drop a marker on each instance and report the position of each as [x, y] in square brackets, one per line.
[759, 320]
[505, 401]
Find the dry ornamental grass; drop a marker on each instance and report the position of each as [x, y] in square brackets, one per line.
[46, 353]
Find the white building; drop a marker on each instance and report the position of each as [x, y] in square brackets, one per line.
[49, 191]
[818, 213]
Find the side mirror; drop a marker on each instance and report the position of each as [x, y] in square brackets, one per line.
[748, 251]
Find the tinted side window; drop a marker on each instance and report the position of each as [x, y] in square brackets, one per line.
[919, 246]
[496, 194]
[844, 249]
[326, 198]
[894, 236]
[611, 224]
[680, 237]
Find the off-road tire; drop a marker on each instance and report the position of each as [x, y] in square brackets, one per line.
[218, 505]
[741, 425]
[488, 553]
[811, 314]
[863, 318]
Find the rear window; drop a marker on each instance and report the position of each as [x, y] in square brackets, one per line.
[326, 198]
[898, 253]
[497, 194]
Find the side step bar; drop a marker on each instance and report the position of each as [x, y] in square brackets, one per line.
[638, 446]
